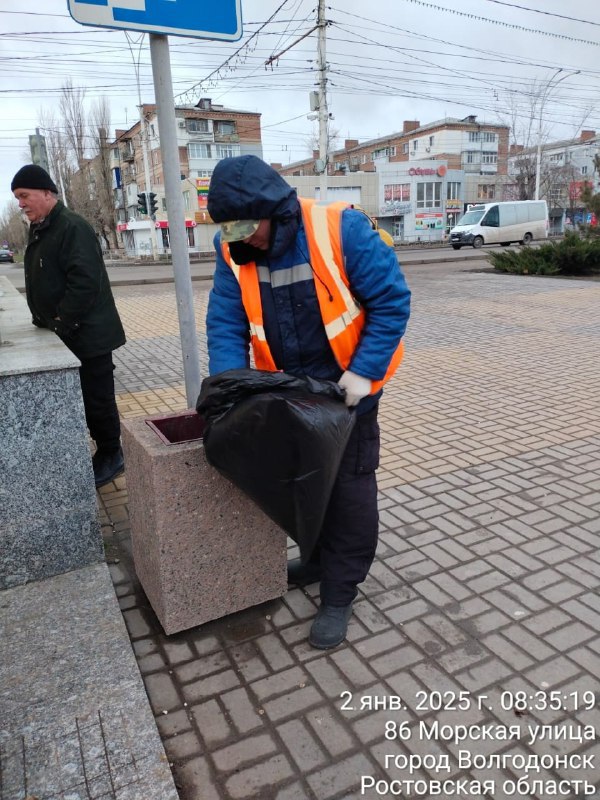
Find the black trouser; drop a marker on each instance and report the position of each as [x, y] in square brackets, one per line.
[348, 538]
[98, 390]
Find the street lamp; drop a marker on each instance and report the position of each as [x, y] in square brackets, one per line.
[551, 84]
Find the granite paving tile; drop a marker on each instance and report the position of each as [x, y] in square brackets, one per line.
[486, 578]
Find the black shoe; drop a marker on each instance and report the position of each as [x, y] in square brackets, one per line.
[107, 465]
[299, 574]
[330, 626]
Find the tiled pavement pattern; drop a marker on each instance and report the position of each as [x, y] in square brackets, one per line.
[486, 580]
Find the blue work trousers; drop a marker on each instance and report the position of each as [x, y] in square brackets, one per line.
[346, 546]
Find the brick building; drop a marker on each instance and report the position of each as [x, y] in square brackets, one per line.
[420, 179]
[465, 144]
[205, 133]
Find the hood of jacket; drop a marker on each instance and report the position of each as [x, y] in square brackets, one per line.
[246, 187]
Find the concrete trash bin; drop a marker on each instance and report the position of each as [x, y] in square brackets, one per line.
[201, 548]
[178, 428]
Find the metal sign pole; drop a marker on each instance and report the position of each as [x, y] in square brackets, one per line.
[222, 20]
[165, 111]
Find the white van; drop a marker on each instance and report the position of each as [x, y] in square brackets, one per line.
[501, 223]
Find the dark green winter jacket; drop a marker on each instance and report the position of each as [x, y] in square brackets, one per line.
[65, 277]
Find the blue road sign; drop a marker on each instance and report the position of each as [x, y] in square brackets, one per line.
[201, 19]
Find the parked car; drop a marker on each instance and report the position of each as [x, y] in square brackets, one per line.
[7, 255]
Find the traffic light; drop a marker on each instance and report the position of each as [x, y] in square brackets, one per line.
[152, 205]
[142, 203]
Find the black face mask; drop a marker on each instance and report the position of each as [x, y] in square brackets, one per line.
[283, 234]
[242, 253]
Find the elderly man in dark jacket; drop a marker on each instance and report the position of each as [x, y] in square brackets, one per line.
[68, 292]
[314, 291]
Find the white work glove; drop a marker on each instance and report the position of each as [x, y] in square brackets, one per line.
[356, 387]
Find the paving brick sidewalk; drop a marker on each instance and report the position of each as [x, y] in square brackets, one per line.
[486, 581]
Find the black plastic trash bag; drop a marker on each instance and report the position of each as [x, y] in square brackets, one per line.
[280, 439]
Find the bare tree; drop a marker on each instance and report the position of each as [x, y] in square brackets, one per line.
[79, 156]
[312, 141]
[105, 204]
[74, 119]
[519, 114]
[523, 113]
[13, 228]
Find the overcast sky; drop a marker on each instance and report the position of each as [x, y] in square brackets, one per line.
[389, 61]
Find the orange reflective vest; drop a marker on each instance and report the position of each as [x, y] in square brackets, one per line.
[342, 315]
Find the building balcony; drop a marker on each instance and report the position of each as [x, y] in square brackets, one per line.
[200, 136]
[226, 137]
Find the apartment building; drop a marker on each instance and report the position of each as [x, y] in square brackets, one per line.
[206, 133]
[566, 166]
[425, 175]
[463, 143]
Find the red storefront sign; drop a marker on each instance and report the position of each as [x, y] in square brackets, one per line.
[164, 223]
[440, 171]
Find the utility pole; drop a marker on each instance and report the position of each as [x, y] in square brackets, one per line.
[323, 112]
[318, 99]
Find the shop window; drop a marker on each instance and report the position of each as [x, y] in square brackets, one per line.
[396, 192]
[429, 195]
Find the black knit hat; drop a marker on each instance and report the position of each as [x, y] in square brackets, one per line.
[32, 176]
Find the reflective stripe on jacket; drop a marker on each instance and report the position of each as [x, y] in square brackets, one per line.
[343, 318]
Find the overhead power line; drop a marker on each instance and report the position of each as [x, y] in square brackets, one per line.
[198, 86]
[457, 45]
[502, 24]
[546, 13]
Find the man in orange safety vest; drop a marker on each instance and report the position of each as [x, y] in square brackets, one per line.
[311, 289]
